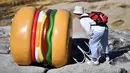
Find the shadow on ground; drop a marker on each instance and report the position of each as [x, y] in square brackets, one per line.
[76, 53]
[112, 55]
[79, 56]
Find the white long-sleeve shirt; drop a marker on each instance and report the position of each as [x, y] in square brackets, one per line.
[86, 23]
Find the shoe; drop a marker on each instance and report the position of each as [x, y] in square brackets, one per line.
[93, 62]
[89, 62]
[107, 57]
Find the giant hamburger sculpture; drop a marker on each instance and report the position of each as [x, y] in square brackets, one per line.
[40, 37]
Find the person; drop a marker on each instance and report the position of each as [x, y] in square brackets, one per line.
[97, 34]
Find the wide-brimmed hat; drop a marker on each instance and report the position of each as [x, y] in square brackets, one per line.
[78, 10]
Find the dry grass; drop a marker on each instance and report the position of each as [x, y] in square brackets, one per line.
[93, 7]
[18, 2]
[124, 6]
[40, 4]
[107, 6]
[118, 23]
[10, 12]
[5, 1]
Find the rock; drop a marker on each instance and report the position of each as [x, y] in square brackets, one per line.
[121, 59]
[127, 55]
[7, 65]
[4, 46]
[4, 31]
[119, 40]
[85, 68]
[119, 44]
[4, 39]
[122, 70]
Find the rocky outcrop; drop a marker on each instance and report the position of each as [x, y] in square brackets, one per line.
[119, 40]
[4, 46]
[7, 65]
[4, 39]
[119, 43]
[4, 31]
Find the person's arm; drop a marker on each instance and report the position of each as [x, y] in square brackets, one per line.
[86, 17]
[85, 22]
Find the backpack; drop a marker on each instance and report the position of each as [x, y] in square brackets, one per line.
[99, 17]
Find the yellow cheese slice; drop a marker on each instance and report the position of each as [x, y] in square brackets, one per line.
[37, 46]
[40, 40]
